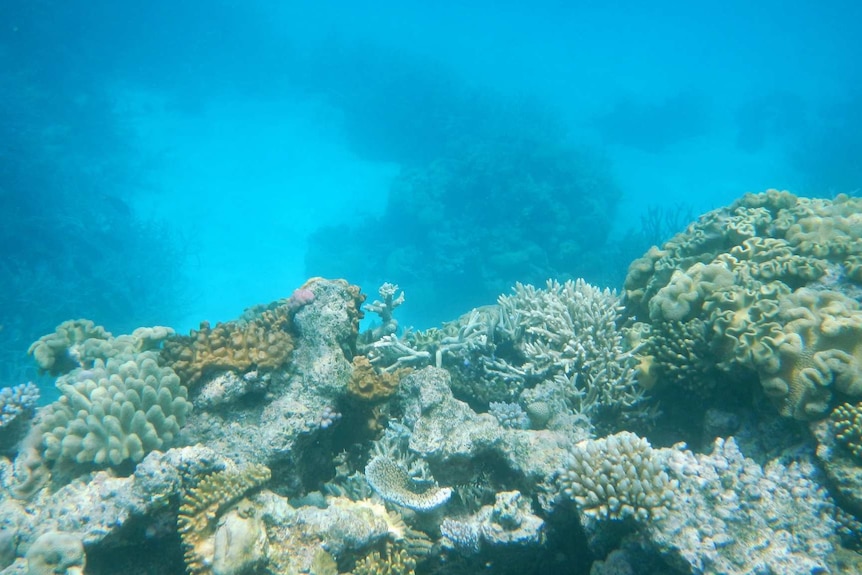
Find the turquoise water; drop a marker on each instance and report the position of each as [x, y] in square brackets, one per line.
[167, 163]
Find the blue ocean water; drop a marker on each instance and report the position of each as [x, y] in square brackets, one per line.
[177, 163]
[165, 164]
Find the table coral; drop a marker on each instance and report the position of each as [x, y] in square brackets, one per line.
[393, 484]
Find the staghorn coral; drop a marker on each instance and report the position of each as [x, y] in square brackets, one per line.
[394, 484]
[260, 339]
[617, 477]
[118, 411]
[202, 505]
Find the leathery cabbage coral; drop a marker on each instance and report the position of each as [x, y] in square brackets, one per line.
[768, 277]
[118, 411]
[617, 477]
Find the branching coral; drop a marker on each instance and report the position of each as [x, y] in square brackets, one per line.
[618, 477]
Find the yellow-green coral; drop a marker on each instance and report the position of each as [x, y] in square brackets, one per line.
[369, 384]
[748, 272]
[204, 503]
[394, 562]
[117, 411]
[847, 419]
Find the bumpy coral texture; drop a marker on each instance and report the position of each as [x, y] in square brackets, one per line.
[204, 503]
[16, 402]
[261, 339]
[369, 384]
[78, 343]
[392, 562]
[767, 277]
[618, 477]
[117, 411]
[847, 419]
[391, 482]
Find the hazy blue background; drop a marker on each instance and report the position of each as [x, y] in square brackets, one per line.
[168, 162]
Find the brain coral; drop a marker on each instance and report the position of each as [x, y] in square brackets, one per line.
[118, 411]
[767, 277]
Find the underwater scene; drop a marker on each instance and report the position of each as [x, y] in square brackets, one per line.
[403, 288]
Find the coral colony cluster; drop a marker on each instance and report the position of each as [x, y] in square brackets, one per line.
[707, 420]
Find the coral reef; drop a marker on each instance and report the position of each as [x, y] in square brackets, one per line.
[761, 284]
[617, 477]
[395, 485]
[282, 474]
[118, 410]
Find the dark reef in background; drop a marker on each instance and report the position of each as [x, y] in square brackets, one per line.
[465, 227]
[72, 246]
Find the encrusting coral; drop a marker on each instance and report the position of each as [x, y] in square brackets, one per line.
[369, 384]
[261, 339]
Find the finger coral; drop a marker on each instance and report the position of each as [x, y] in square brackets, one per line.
[618, 477]
[118, 411]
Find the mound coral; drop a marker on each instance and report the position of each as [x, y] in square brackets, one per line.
[764, 282]
[618, 477]
[117, 411]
